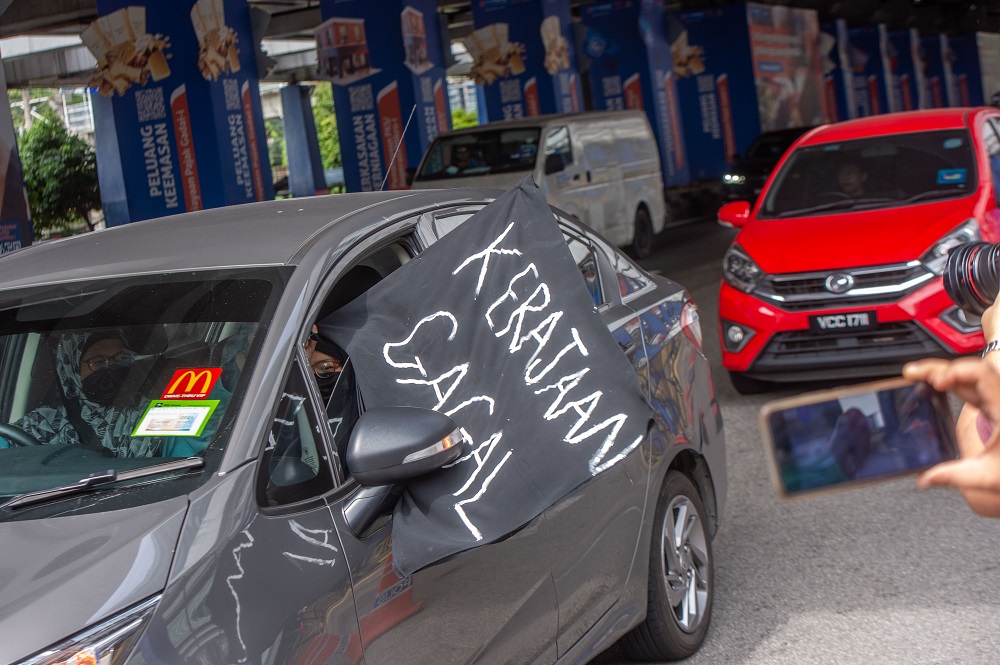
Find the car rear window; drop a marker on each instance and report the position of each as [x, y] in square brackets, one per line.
[893, 170]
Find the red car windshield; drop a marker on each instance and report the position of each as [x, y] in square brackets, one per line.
[872, 173]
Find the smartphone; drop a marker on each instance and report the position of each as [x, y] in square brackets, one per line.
[845, 437]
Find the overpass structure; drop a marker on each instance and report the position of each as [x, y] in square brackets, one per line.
[291, 22]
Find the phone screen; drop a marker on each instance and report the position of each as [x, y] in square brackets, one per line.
[857, 435]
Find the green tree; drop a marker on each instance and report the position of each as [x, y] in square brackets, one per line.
[461, 118]
[60, 174]
[326, 125]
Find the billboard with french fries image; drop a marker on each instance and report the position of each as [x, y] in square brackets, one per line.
[126, 53]
[183, 102]
[523, 57]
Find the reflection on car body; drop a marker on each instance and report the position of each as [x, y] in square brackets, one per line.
[266, 548]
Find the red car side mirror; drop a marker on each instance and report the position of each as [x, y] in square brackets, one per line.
[734, 214]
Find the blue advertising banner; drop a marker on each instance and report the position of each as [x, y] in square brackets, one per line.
[15, 219]
[523, 56]
[933, 68]
[963, 70]
[838, 80]
[760, 53]
[385, 63]
[711, 55]
[174, 155]
[906, 78]
[626, 76]
[869, 78]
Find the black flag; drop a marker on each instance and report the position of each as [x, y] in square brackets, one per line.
[494, 326]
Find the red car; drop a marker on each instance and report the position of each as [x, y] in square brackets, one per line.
[836, 270]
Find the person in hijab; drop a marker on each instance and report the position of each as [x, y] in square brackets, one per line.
[91, 369]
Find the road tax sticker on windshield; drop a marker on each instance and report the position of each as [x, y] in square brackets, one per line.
[175, 418]
[951, 176]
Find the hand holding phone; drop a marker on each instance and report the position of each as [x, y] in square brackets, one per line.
[858, 434]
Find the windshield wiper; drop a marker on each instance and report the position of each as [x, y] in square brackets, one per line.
[840, 204]
[933, 194]
[99, 479]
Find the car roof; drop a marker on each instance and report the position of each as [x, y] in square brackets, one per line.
[540, 120]
[891, 123]
[254, 234]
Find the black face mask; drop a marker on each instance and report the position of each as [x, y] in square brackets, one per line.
[327, 385]
[104, 385]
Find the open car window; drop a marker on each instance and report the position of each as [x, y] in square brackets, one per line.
[122, 373]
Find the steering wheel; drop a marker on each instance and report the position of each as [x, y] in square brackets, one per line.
[17, 437]
[833, 195]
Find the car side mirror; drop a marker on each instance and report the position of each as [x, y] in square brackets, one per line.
[554, 163]
[734, 214]
[392, 444]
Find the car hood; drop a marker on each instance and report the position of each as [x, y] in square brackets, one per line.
[848, 240]
[60, 575]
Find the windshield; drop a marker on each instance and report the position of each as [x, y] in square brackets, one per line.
[873, 173]
[480, 153]
[124, 373]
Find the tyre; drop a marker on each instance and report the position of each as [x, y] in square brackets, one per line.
[642, 240]
[681, 577]
[746, 385]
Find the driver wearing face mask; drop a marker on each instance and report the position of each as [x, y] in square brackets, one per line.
[91, 369]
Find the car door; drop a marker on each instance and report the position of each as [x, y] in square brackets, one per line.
[595, 530]
[491, 604]
[260, 574]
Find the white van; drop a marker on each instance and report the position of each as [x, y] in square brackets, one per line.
[601, 166]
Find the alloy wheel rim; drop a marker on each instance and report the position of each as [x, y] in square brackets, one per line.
[684, 552]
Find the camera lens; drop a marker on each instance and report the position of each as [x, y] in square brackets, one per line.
[970, 276]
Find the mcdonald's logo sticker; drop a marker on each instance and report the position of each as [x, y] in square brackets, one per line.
[192, 383]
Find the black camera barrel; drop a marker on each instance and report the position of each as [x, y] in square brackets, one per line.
[971, 276]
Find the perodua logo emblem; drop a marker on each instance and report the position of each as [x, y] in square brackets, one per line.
[839, 283]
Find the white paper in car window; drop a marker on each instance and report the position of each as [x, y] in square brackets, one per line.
[175, 418]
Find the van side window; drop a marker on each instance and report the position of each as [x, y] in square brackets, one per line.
[295, 466]
[557, 143]
[991, 136]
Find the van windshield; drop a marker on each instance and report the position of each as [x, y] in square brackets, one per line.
[869, 174]
[480, 153]
[124, 373]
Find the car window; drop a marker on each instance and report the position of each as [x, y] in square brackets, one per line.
[872, 173]
[479, 153]
[295, 465]
[991, 137]
[586, 262]
[557, 142]
[121, 373]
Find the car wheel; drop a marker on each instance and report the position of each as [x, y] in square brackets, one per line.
[681, 578]
[746, 385]
[642, 240]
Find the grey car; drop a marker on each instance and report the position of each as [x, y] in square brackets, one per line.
[166, 521]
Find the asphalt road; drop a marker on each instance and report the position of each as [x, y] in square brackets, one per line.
[882, 574]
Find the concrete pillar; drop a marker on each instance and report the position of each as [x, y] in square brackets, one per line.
[305, 166]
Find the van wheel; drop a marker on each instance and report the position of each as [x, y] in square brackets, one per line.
[681, 577]
[642, 241]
